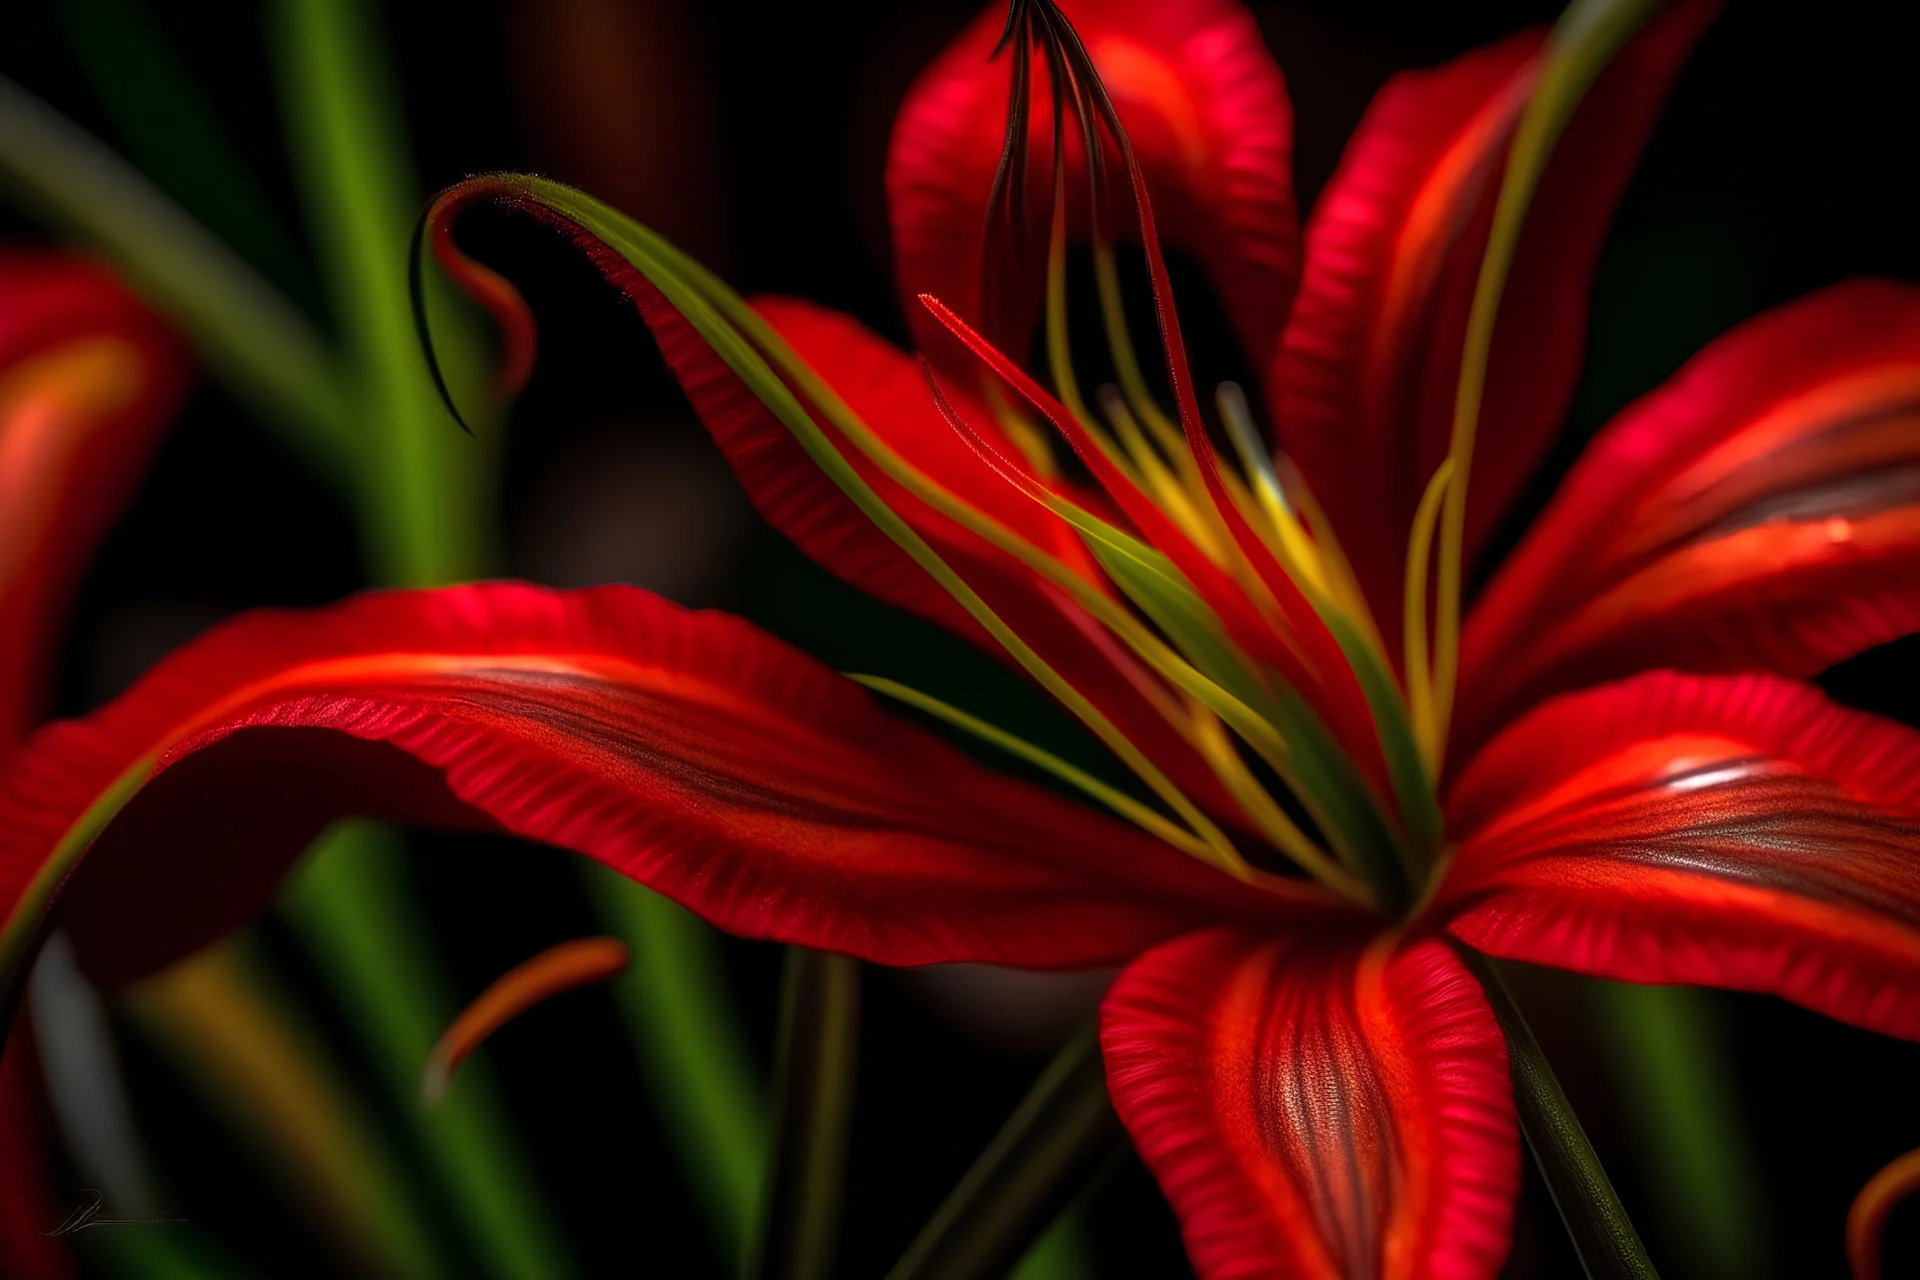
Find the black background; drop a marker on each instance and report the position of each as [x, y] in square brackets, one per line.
[1785, 162]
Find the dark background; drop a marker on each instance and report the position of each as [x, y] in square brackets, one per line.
[1784, 162]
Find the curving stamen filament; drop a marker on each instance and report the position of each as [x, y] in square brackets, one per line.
[554, 971]
[1420, 676]
[1867, 1219]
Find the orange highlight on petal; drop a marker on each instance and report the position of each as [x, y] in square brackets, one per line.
[552, 972]
[1868, 1217]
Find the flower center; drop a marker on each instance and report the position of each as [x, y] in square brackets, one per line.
[1236, 602]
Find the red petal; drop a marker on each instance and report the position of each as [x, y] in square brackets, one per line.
[686, 750]
[1314, 1109]
[1761, 510]
[1363, 385]
[887, 389]
[790, 489]
[87, 379]
[1206, 109]
[1737, 832]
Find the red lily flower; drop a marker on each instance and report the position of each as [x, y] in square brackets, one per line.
[87, 379]
[1297, 1048]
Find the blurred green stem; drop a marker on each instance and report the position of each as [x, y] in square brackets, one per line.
[1603, 1236]
[1669, 1059]
[813, 1111]
[424, 496]
[1059, 1138]
[422, 508]
[243, 330]
[675, 1002]
[226, 1025]
[350, 900]
[171, 131]
[1063, 1253]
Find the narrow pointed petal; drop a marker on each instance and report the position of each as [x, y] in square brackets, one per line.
[1318, 1108]
[1206, 108]
[1363, 383]
[1759, 512]
[88, 377]
[1737, 832]
[686, 750]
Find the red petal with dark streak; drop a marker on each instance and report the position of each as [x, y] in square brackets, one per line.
[1363, 385]
[686, 750]
[1206, 108]
[1318, 1107]
[88, 377]
[1760, 511]
[1736, 832]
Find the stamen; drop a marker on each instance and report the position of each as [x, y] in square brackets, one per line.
[1019, 428]
[1118, 801]
[1174, 498]
[1420, 676]
[1280, 830]
[1868, 1217]
[1297, 554]
[552, 972]
[1344, 583]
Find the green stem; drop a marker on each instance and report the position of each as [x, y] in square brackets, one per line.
[171, 132]
[351, 903]
[1670, 1062]
[1063, 1253]
[421, 512]
[247, 333]
[1060, 1136]
[1602, 1234]
[228, 1027]
[422, 501]
[675, 1003]
[813, 1110]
